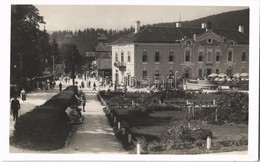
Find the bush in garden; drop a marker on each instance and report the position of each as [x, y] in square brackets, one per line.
[140, 111]
[233, 107]
[46, 127]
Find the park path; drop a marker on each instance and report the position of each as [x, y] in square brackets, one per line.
[95, 135]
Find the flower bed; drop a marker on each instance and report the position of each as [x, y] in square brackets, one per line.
[46, 127]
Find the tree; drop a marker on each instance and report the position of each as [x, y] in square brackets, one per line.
[28, 43]
[55, 53]
[71, 57]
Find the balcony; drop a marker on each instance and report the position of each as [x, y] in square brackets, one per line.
[120, 65]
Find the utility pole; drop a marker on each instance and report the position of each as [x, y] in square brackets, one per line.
[73, 70]
[53, 64]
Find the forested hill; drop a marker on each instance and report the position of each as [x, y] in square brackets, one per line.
[86, 40]
[230, 20]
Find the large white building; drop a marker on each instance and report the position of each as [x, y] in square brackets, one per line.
[156, 52]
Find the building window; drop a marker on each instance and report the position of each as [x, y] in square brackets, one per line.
[187, 56]
[243, 56]
[144, 58]
[171, 73]
[187, 73]
[200, 73]
[209, 56]
[144, 73]
[116, 57]
[171, 57]
[122, 56]
[209, 40]
[230, 56]
[156, 72]
[157, 56]
[217, 71]
[188, 43]
[200, 56]
[231, 43]
[128, 56]
[217, 56]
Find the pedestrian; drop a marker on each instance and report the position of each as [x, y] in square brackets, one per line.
[60, 86]
[83, 99]
[89, 84]
[53, 84]
[50, 83]
[82, 84]
[77, 96]
[46, 87]
[15, 106]
[94, 86]
[23, 95]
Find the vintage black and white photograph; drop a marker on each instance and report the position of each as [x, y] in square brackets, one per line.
[130, 79]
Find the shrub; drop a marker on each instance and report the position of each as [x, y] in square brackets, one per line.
[140, 111]
[184, 133]
[46, 127]
[233, 107]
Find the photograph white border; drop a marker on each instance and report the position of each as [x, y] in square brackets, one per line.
[253, 96]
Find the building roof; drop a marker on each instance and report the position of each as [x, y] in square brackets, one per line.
[90, 54]
[104, 64]
[103, 47]
[157, 34]
[103, 55]
[102, 36]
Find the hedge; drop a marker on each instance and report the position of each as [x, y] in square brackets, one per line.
[46, 127]
[232, 107]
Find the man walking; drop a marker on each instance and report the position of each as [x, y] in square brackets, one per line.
[94, 85]
[15, 106]
[60, 86]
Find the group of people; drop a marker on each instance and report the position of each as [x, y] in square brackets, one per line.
[88, 85]
[74, 112]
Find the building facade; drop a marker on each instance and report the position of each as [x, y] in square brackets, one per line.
[102, 57]
[157, 54]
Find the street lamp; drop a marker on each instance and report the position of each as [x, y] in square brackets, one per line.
[116, 78]
[175, 79]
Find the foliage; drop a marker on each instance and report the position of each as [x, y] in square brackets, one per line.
[29, 44]
[233, 107]
[46, 127]
[70, 54]
[87, 39]
[184, 133]
[224, 20]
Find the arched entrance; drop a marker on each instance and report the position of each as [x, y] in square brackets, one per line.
[187, 73]
[208, 71]
[229, 71]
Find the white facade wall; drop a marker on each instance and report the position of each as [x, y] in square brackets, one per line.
[129, 71]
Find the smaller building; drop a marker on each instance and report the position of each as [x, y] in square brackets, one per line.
[102, 56]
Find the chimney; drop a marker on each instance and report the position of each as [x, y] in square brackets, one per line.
[137, 26]
[178, 24]
[203, 25]
[241, 29]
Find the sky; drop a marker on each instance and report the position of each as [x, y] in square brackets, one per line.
[75, 17]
